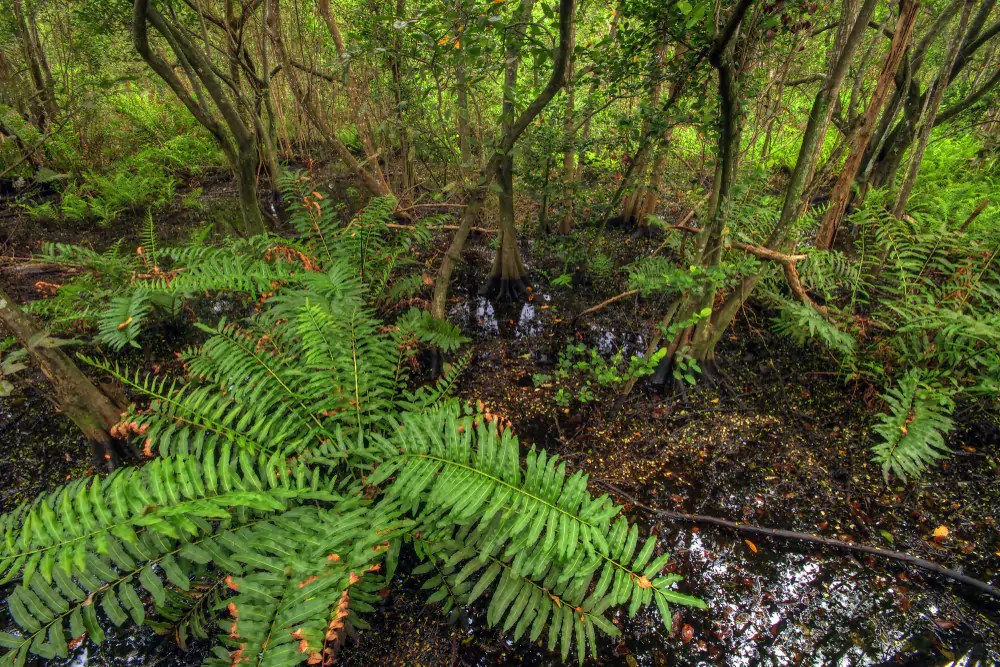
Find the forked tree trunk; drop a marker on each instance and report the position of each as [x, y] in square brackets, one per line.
[43, 102]
[930, 113]
[237, 141]
[358, 97]
[370, 175]
[74, 394]
[712, 329]
[859, 140]
[506, 281]
[567, 11]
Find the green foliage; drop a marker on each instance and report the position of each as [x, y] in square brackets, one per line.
[914, 428]
[11, 362]
[437, 333]
[804, 323]
[919, 299]
[294, 463]
[119, 324]
[582, 372]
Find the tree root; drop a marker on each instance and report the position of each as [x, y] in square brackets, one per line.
[505, 290]
[806, 537]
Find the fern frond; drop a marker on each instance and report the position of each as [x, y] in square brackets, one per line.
[120, 323]
[441, 334]
[914, 428]
[804, 323]
[539, 542]
[100, 538]
[185, 419]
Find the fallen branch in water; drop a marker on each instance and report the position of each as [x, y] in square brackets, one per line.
[605, 303]
[806, 537]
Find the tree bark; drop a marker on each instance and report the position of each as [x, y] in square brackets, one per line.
[569, 153]
[812, 140]
[930, 113]
[236, 140]
[358, 98]
[859, 141]
[567, 12]
[506, 281]
[77, 397]
[372, 182]
[45, 109]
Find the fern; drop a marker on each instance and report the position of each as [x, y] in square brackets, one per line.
[804, 323]
[913, 430]
[441, 334]
[119, 324]
[98, 539]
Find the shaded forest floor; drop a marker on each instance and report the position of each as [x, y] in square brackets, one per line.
[786, 446]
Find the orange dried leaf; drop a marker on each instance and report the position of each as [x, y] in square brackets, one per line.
[753, 547]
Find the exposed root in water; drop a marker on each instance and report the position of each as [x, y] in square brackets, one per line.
[505, 290]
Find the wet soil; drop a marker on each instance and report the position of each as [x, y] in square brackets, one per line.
[785, 445]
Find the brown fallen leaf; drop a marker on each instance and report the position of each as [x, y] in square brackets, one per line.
[944, 623]
[940, 534]
[687, 633]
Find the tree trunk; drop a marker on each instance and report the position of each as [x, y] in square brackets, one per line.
[567, 12]
[569, 154]
[371, 176]
[506, 282]
[859, 141]
[76, 396]
[358, 98]
[237, 141]
[711, 330]
[462, 100]
[44, 100]
[930, 113]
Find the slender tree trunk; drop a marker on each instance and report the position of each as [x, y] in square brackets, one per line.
[569, 154]
[369, 175]
[567, 12]
[236, 140]
[812, 140]
[930, 113]
[358, 97]
[859, 141]
[506, 281]
[77, 397]
[44, 100]
[407, 171]
[462, 100]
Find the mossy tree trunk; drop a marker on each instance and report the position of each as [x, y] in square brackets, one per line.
[710, 330]
[569, 153]
[229, 129]
[895, 137]
[859, 139]
[74, 394]
[43, 100]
